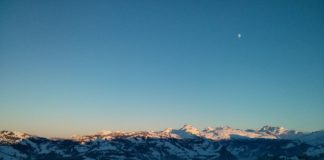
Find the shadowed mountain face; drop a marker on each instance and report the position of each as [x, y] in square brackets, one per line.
[185, 143]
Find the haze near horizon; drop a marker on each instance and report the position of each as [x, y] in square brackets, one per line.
[78, 67]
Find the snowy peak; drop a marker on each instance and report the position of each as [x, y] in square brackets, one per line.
[273, 130]
[190, 129]
[220, 133]
[209, 129]
[12, 137]
[104, 132]
[187, 131]
[167, 130]
[224, 128]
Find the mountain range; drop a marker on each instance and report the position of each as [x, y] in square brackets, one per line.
[187, 142]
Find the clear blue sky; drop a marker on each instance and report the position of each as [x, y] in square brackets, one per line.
[82, 66]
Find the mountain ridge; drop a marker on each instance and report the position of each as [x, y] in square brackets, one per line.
[187, 132]
[187, 142]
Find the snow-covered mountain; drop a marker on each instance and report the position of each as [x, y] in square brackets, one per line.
[8, 137]
[187, 142]
[188, 131]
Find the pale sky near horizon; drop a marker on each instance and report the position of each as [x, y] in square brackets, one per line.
[77, 67]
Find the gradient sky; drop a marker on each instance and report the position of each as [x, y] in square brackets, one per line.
[71, 67]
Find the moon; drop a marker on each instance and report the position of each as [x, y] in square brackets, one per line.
[239, 35]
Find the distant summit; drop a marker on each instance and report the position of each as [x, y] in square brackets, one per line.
[273, 130]
[11, 137]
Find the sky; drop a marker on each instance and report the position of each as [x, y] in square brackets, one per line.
[78, 67]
